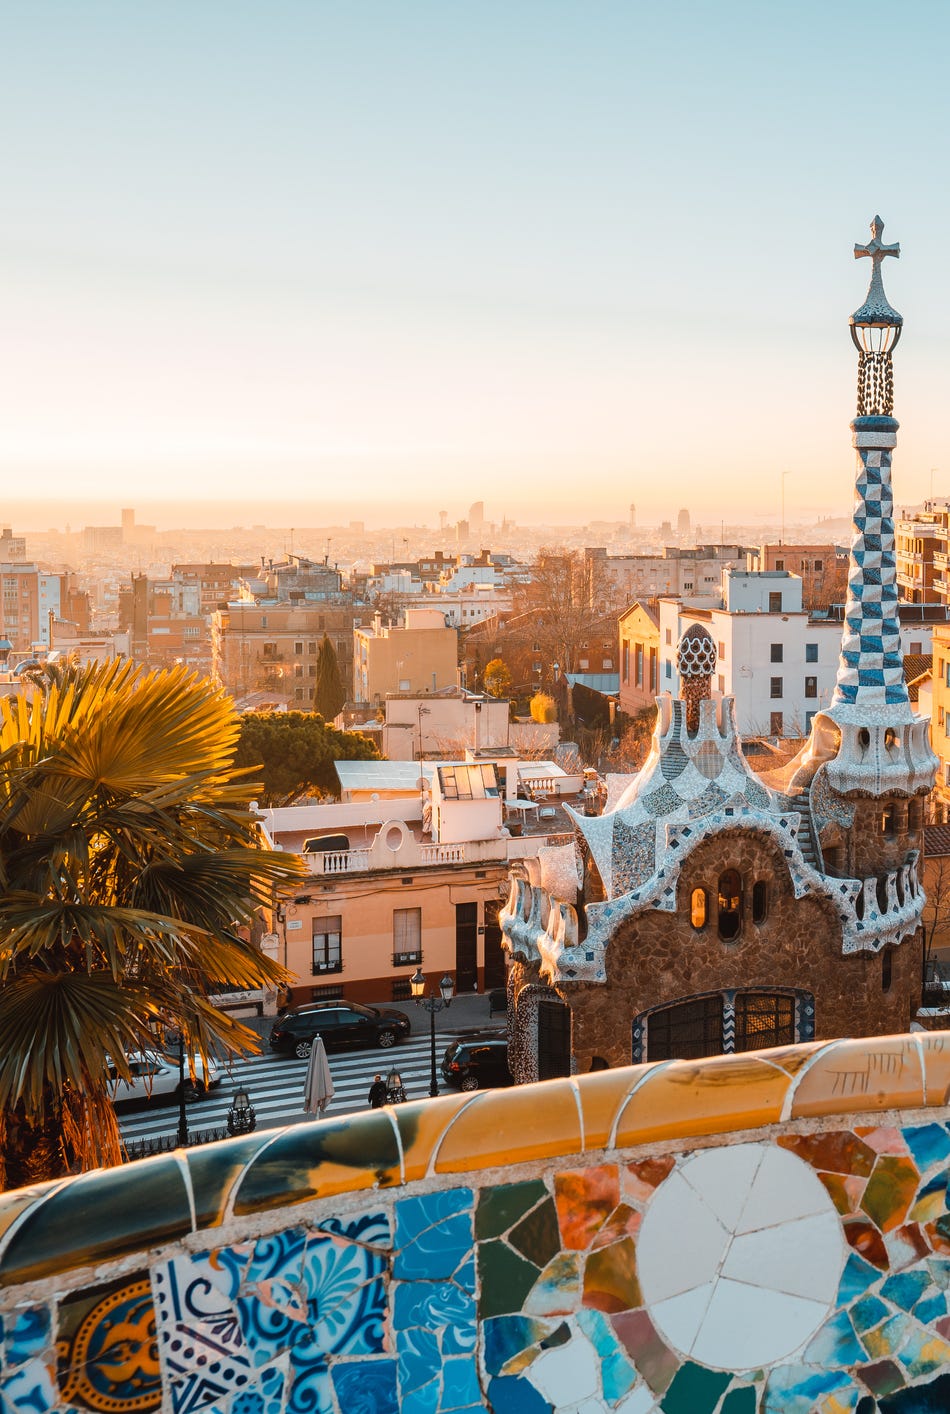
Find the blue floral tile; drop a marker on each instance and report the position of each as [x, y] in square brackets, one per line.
[366, 1386]
[309, 1391]
[203, 1353]
[372, 1229]
[270, 1327]
[29, 1390]
[433, 1235]
[25, 1334]
[346, 1297]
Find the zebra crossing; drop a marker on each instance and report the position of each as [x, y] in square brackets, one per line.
[275, 1085]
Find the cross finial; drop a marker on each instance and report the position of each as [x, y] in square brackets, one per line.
[875, 247]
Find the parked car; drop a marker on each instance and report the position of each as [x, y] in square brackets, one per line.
[155, 1077]
[477, 1060]
[340, 1024]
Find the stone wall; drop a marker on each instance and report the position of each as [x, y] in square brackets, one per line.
[749, 1233]
[656, 958]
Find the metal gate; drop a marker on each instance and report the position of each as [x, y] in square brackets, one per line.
[554, 1039]
[686, 1030]
[466, 947]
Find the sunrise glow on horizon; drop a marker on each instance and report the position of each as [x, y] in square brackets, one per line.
[540, 255]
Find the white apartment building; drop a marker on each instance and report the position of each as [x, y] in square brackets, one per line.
[775, 660]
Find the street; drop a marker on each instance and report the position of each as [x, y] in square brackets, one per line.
[275, 1084]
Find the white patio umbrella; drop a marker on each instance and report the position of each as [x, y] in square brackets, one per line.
[318, 1087]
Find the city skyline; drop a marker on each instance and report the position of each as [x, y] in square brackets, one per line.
[381, 258]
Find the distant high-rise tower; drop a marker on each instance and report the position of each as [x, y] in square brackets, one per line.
[682, 522]
[476, 515]
[443, 517]
[128, 525]
[633, 516]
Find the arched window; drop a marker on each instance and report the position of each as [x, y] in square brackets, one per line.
[760, 901]
[914, 815]
[887, 822]
[730, 905]
[886, 965]
[698, 908]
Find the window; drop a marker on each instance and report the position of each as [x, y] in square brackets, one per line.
[722, 651]
[811, 687]
[721, 681]
[811, 652]
[328, 944]
[779, 564]
[686, 1030]
[776, 653]
[818, 566]
[730, 905]
[625, 660]
[583, 665]
[669, 635]
[776, 724]
[916, 646]
[775, 603]
[760, 901]
[775, 687]
[809, 718]
[311, 648]
[298, 647]
[669, 669]
[607, 665]
[697, 908]
[407, 936]
[638, 671]
[764, 1019]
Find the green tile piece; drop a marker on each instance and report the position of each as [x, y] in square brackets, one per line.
[890, 1191]
[537, 1236]
[213, 1169]
[499, 1207]
[505, 1279]
[739, 1401]
[288, 1170]
[98, 1216]
[695, 1390]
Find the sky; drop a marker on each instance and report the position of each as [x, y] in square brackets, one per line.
[555, 255]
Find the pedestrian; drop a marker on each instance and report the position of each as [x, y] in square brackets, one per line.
[377, 1093]
[395, 1090]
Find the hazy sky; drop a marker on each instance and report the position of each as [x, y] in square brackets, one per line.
[561, 254]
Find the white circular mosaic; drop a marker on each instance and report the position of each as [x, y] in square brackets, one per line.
[739, 1256]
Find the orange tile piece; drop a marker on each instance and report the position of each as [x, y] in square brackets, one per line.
[422, 1124]
[703, 1097]
[640, 1180]
[512, 1126]
[610, 1278]
[883, 1141]
[936, 1051]
[623, 1222]
[845, 1191]
[585, 1199]
[874, 1073]
[864, 1237]
[603, 1093]
[792, 1059]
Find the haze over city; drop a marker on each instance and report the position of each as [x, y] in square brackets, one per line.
[375, 258]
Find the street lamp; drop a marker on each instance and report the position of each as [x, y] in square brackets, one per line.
[182, 1138]
[432, 1004]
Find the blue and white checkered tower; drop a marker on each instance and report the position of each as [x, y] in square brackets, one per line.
[884, 746]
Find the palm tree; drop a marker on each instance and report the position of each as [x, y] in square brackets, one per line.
[129, 864]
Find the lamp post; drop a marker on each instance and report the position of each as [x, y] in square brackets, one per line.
[432, 1004]
[182, 1137]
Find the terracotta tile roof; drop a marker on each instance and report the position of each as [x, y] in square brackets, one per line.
[936, 840]
[916, 664]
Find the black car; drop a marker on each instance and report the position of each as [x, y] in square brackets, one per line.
[340, 1024]
[477, 1060]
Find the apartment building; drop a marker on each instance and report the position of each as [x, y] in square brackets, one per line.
[419, 655]
[274, 647]
[639, 632]
[922, 540]
[403, 875]
[693, 574]
[774, 657]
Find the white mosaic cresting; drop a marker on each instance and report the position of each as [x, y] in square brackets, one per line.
[739, 1256]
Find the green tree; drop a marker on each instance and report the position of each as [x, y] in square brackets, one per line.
[294, 752]
[129, 866]
[329, 695]
[497, 678]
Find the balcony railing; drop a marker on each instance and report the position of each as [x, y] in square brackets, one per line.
[443, 853]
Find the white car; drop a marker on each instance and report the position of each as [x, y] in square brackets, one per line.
[155, 1077]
